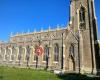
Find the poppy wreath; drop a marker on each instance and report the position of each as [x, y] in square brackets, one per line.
[39, 50]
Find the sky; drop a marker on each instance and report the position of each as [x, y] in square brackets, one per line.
[17, 16]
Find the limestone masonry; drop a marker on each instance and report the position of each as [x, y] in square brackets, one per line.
[71, 49]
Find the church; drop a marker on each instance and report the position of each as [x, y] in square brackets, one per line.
[70, 49]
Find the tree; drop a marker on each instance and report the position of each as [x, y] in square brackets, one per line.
[99, 43]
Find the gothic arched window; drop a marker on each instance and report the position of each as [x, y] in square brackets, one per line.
[82, 14]
[27, 53]
[13, 53]
[20, 52]
[46, 53]
[71, 50]
[56, 52]
[8, 52]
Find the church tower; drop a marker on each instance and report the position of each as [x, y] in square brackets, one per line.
[83, 21]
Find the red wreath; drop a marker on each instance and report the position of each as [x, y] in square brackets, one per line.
[39, 50]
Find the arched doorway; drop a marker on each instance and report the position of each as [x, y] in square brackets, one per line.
[72, 57]
[71, 64]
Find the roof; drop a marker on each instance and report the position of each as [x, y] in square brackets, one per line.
[30, 33]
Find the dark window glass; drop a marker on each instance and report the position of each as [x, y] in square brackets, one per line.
[27, 53]
[71, 50]
[46, 53]
[82, 14]
[56, 52]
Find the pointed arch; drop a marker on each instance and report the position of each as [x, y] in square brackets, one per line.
[72, 57]
[72, 50]
[71, 63]
[82, 14]
[46, 52]
[20, 53]
[27, 52]
[56, 52]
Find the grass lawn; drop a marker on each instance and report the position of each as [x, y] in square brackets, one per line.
[7, 73]
[25, 74]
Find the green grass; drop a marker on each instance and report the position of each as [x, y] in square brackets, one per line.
[7, 73]
[25, 74]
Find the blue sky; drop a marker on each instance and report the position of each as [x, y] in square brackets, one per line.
[23, 15]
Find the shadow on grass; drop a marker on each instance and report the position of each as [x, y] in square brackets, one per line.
[72, 76]
[1, 77]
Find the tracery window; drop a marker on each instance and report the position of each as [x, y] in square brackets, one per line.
[27, 53]
[20, 53]
[72, 50]
[46, 53]
[82, 14]
[56, 52]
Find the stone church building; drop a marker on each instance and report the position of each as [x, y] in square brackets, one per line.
[71, 49]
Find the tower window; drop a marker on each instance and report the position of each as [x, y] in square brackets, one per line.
[82, 14]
